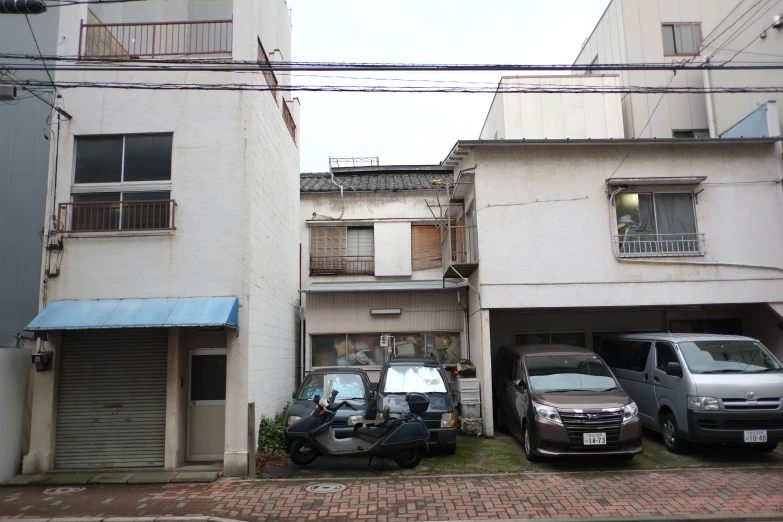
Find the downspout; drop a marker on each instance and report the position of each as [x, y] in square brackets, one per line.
[713, 126]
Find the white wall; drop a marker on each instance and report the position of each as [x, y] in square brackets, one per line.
[730, 108]
[393, 246]
[14, 372]
[545, 234]
[555, 115]
[630, 32]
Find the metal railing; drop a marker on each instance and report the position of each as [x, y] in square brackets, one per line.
[113, 216]
[460, 245]
[136, 40]
[289, 121]
[342, 265]
[660, 245]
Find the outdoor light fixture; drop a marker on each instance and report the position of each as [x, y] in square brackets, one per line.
[42, 361]
[386, 311]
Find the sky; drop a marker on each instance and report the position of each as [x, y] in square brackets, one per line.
[408, 128]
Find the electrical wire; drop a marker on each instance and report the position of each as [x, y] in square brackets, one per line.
[32, 32]
[68, 3]
[705, 45]
[752, 41]
[744, 27]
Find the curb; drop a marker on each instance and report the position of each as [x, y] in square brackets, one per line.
[127, 519]
[644, 518]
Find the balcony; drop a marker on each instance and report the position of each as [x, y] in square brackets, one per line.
[342, 265]
[660, 245]
[149, 40]
[289, 121]
[459, 249]
[116, 216]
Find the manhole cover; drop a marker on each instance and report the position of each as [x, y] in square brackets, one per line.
[63, 491]
[325, 488]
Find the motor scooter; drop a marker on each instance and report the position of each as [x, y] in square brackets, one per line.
[402, 438]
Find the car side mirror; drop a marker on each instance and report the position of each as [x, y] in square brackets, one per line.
[674, 369]
[520, 383]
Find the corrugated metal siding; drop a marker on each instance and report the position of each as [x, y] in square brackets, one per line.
[112, 399]
[346, 312]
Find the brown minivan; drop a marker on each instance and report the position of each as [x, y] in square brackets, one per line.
[563, 400]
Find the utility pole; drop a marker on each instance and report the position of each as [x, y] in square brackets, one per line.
[25, 7]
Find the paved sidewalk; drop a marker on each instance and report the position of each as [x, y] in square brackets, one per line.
[659, 493]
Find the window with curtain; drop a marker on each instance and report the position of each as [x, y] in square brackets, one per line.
[681, 39]
[425, 247]
[656, 223]
[328, 248]
[361, 251]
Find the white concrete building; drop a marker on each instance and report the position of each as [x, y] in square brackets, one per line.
[582, 237]
[372, 265]
[647, 31]
[559, 114]
[170, 284]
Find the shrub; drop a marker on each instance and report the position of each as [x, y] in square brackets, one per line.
[271, 432]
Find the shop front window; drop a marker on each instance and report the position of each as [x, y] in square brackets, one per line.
[365, 349]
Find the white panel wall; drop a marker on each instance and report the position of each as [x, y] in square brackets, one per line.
[14, 373]
[393, 249]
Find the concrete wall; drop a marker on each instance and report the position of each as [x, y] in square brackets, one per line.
[393, 244]
[730, 108]
[14, 372]
[630, 32]
[24, 159]
[555, 115]
[545, 226]
[168, 11]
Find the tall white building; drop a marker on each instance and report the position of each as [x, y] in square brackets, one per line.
[170, 281]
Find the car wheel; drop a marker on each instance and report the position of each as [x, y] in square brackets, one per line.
[409, 458]
[767, 447]
[302, 452]
[527, 442]
[671, 434]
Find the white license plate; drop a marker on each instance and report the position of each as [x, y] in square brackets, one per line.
[594, 439]
[756, 436]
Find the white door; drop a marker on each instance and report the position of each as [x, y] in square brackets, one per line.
[207, 405]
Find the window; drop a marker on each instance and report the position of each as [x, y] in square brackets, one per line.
[120, 183]
[664, 354]
[365, 349]
[563, 373]
[567, 338]
[626, 355]
[681, 39]
[342, 250]
[726, 356]
[657, 224]
[425, 247]
[695, 133]
[594, 63]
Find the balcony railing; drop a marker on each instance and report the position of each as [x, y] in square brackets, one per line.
[342, 265]
[289, 121]
[660, 245]
[113, 216]
[459, 249]
[137, 40]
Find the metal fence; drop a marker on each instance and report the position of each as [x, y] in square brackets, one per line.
[342, 265]
[289, 120]
[110, 216]
[660, 245]
[136, 40]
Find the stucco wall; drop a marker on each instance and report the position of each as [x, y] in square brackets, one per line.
[14, 373]
[545, 232]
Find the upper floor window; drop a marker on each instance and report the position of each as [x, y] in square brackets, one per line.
[693, 133]
[342, 250]
[425, 247]
[681, 39]
[657, 224]
[120, 183]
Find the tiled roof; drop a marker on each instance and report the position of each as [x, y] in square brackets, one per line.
[374, 179]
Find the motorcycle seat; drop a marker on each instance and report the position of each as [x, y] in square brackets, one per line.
[373, 432]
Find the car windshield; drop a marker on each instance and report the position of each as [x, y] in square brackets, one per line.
[348, 386]
[567, 373]
[404, 379]
[727, 357]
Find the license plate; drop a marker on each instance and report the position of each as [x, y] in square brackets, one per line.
[756, 436]
[594, 439]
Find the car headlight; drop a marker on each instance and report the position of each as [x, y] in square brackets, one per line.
[547, 412]
[630, 412]
[447, 420]
[292, 419]
[703, 403]
[355, 419]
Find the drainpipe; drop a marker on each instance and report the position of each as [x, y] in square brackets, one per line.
[710, 107]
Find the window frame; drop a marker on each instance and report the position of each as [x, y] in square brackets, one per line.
[677, 38]
[673, 349]
[693, 134]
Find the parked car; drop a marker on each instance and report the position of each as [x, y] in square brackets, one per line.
[352, 385]
[402, 375]
[563, 400]
[701, 388]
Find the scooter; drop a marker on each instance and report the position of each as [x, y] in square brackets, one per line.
[403, 438]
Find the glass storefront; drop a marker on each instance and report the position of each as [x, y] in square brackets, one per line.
[365, 349]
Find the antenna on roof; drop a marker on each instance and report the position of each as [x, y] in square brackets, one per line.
[369, 161]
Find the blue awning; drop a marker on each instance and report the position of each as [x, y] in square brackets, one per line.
[163, 312]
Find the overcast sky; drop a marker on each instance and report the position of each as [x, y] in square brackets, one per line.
[406, 128]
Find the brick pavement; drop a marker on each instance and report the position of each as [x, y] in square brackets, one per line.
[622, 495]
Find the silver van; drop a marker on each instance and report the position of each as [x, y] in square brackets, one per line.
[700, 388]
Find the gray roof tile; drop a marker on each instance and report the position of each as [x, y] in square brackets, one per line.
[371, 180]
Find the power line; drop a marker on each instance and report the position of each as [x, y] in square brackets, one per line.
[744, 27]
[705, 45]
[752, 41]
[39, 50]
[66, 3]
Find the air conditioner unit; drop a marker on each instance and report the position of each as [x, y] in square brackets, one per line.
[8, 92]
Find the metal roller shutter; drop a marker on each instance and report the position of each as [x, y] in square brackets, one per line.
[111, 408]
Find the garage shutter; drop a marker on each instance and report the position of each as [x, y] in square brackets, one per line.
[111, 408]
